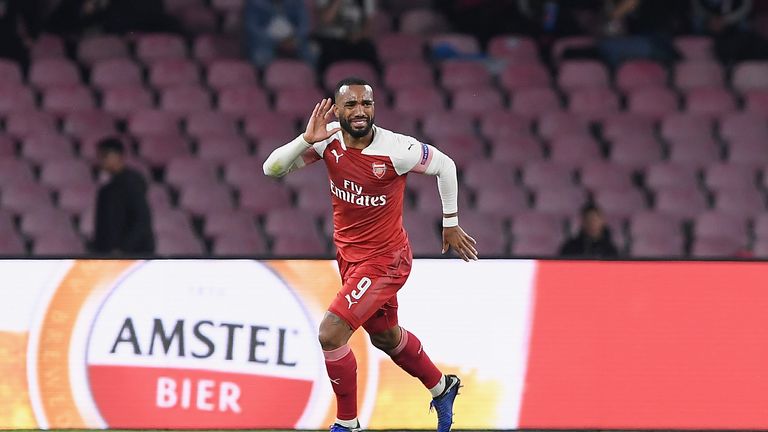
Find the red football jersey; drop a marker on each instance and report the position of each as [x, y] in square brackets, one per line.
[367, 189]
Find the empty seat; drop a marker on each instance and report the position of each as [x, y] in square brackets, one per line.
[582, 73]
[547, 175]
[454, 43]
[155, 46]
[210, 123]
[743, 125]
[160, 149]
[419, 101]
[153, 122]
[47, 46]
[725, 176]
[593, 103]
[670, 175]
[297, 103]
[501, 202]
[225, 73]
[287, 73]
[689, 75]
[459, 74]
[53, 72]
[76, 198]
[10, 71]
[716, 247]
[714, 224]
[65, 242]
[399, 122]
[221, 148]
[504, 124]
[686, 125]
[11, 244]
[115, 72]
[62, 100]
[90, 122]
[562, 124]
[290, 222]
[543, 245]
[535, 101]
[170, 220]
[209, 47]
[14, 170]
[262, 198]
[709, 101]
[7, 147]
[655, 102]
[514, 48]
[45, 220]
[24, 123]
[573, 149]
[596, 175]
[45, 146]
[299, 247]
[681, 203]
[489, 174]
[750, 75]
[15, 97]
[240, 100]
[314, 202]
[173, 71]
[189, 170]
[560, 201]
[756, 101]
[125, 100]
[222, 222]
[627, 124]
[635, 74]
[744, 202]
[269, 125]
[635, 152]
[650, 224]
[203, 197]
[24, 196]
[517, 150]
[478, 101]
[235, 244]
[695, 48]
[185, 99]
[407, 73]
[65, 172]
[657, 247]
[696, 151]
[760, 228]
[462, 148]
[178, 244]
[95, 48]
[562, 45]
[440, 124]
[524, 75]
[748, 151]
[399, 46]
[620, 202]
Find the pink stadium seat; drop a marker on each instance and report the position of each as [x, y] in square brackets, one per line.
[288, 73]
[504, 124]
[593, 103]
[236, 243]
[563, 44]
[575, 74]
[716, 248]
[743, 125]
[517, 150]
[694, 151]
[419, 101]
[692, 74]
[760, 228]
[314, 203]
[185, 99]
[408, 73]
[746, 203]
[686, 125]
[309, 177]
[477, 101]
[221, 148]
[397, 121]
[155, 46]
[65, 242]
[756, 101]
[709, 101]
[627, 124]
[543, 245]
[748, 151]
[714, 225]
[657, 247]
[14, 170]
[517, 76]
[170, 220]
[532, 223]
[198, 19]
[462, 148]
[500, 202]
[670, 175]
[160, 149]
[695, 48]
[489, 233]
[11, 244]
[239, 100]
[15, 97]
[96, 48]
[23, 196]
[491, 174]
[123, 101]
[225, 73]
[230, 222]
[153, 122]
[440, 124]
[199, 199]
[210, 47]
[264, 126]
[750, 75]
[290, 222]
[44, 147]
[460, 43]
[635, 152]
[399, 46]
[725, 176]
[210, 123]
[297, 103]
[21, 124]
[636, 74]
[62, 100]
[115, 72]
[245, 172]
[178, 244]
[45, 220]
[189, 170]
[263, 198]
[91, 122]
[535, 101]
[620, 202]
[158, 197]
[547, 174]
[562, 124]
[53, 72]
[600, 174]
[459, 74]
[10, 72]
[681, 203]
[573, 149]
[47, 46]
[514, 48]
[654, 102]
[76, 198]
[650, 224]
[422, 21]
[173, 71]
[63, 172]
[299, 247]
[421, 227]
[7, 147]
[345, 68]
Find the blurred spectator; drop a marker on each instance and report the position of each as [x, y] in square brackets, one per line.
[123, 219]
[727, 21]
[593, 239]
[344, 31]
[76, 17]
[559, 17]
[19, 25]
[277, 28]
[482, 18]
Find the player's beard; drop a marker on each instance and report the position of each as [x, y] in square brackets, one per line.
[356, 133]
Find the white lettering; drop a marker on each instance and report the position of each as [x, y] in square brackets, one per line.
[186, 393]
[204, 395]
[229, 397]
[204, 392]
[165, 397]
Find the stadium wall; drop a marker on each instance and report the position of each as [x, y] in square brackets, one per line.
[232, 344]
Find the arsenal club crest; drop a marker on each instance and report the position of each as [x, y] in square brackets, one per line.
[379, 168]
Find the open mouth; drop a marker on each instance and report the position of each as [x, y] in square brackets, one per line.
[359, 122]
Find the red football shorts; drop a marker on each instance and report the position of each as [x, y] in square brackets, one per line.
[368, 296]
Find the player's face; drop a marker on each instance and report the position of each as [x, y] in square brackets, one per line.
[354, 109]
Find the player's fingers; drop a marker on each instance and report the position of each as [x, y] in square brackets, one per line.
[314, 111]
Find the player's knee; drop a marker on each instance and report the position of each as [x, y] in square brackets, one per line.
[386, 341]
[329, 340]
[333, 333]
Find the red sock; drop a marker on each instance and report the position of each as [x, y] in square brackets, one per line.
[410, 356]
[342, 370]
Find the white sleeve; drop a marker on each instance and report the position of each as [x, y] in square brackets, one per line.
[445, 169]
[290, 157]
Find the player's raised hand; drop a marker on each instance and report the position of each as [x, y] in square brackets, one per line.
[455, 237]
[318, 122]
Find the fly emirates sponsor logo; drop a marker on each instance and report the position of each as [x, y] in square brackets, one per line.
[353, 194]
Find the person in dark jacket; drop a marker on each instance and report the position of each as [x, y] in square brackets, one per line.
[594, 237]
[123, 218]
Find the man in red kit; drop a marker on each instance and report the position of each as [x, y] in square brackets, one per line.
[367, 167]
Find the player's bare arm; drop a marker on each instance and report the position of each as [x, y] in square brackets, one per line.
[299, 152]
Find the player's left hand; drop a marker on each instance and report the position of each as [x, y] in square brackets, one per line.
[461, 242]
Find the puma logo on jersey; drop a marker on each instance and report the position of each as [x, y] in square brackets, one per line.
[349, 299]
[333, 152]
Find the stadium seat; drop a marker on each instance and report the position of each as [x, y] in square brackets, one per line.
[76, 198]
[289, 73]
[692, 74]
[560, 200]
[562, 45]
[263, 198]
[63, 100]
[419, 101]
[686, 125]
[221, 148]
[547, 174]
[297, 103]
[743, 125]
[621, 202]
[635, 152]
[679, 202]
[63, 172]
[123, 101]
[44, 73]
[458, 74]
[748, 151]
[657, 247]
[756, 101]
[189, 170]
[185, 99]
[517, 76]
[14, 170]
[695, 48]
[293, 222]
[546, 245]
[198, 19]
[575, 74]
[65, 243]
[599, 174]
[45, 146]
[90, 122]
[461, 44]
[500, 202]
[210, 47]
[339, 70]
[477, 102]
[201, 198]
[709, 101]
[153, 122]
[445, 123]
[500, 125]
[535, 101]
[573, 149]
[513, 48]
[491, 174]
[11, 244]
[670, 175]
[171, 220]
[158, 196]
[745, 202]
[22, 196]
[269, 125]
[178, 244]
[716, 247]
[15, 97]
[462, 148]
[159, 149]
[562, 124]
[726, 176]
[225, 73]
[7, 147]
[696, 151]
[156, 46]
[95, 48]
[397, 121]
[21, 124]
[314, 201]
[408, 73]
[240, 243]
[240, 100]
[399, 46]
[45, 220]
[422, 21]
[47, 46]
[171, 72]
[115, 72]
[293, 246]
[637, 74]
[10, 72]
[651, 224]
[653, 102]
[625, 124]
[222, 222]
[717, 225]
[750, 75]
[210, 123]
[517, 150]
[593, 103]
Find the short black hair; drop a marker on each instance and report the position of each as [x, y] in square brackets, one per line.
[111, 145]
[348, 81]
[589, 208]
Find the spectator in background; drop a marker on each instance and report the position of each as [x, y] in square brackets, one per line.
[76, 17]
[19, 25]
[482, 18]
[727, 21]
[344, 31]
[277, 29]
[593, 239]
[123, 218]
